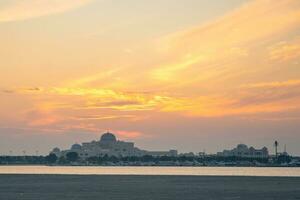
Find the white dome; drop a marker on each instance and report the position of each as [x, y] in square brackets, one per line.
[242, 146]
[108, 137]
[56, 149]
[76, 147]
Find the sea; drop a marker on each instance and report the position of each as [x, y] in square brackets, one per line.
[179, 171]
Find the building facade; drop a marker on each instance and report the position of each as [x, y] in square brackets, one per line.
[110, 146]
[242, 150]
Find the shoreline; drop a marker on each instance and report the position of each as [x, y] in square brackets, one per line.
[179, 166]
[152, 171]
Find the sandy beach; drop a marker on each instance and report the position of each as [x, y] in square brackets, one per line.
[113, 187]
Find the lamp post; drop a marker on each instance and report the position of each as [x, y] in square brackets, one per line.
[276, 144]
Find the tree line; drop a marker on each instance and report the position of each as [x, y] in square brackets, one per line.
[73, 157]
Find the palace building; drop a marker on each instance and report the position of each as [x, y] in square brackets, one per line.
[110, 146]
[242, 150]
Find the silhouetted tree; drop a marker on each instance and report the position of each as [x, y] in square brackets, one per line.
[62, 160]
[283, 159]
[92, 159]
[51, 158]
[113, 159]
[104, 158]
[133, 159]
[147, 158]
[72, 156]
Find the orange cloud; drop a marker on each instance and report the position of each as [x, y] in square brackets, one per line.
[129, 134]
[285, 51]
[88, 104]
[43, 121]
[15, 10]
[92, 98]
[227, 44]
[274, 84]
[105, 117]
[229, 66]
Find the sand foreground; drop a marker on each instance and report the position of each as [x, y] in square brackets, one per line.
[113, 187]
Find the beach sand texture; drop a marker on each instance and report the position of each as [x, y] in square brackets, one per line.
[114, 187]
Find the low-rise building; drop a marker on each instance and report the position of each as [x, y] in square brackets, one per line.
[242, 150]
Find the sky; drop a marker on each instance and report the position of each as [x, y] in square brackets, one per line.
[191, 75]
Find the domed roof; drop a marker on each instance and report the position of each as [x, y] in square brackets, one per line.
[108, 137]
[56, 149]
[242, 146]
[76, 147]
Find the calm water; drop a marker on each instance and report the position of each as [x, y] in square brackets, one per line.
[197, 171]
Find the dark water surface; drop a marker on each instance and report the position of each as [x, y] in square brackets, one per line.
[116, 187]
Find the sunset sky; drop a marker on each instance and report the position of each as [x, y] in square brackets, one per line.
[188, 74]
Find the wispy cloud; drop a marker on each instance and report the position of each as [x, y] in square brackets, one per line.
[224, 46]
[104, 117]
[228, 67]
[24, 90]
[8, 91]
[13, 10]
[249, 99]
[129, 134]
[285, 51]
[92, 79]
[274, 84]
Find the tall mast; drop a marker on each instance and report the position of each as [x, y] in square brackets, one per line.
[276, 148]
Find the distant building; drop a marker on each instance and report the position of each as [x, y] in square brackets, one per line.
[110, 146]
[190, 154]
[201, 154]
[162, 153]
[242, 150]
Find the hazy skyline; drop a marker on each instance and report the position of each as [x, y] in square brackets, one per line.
[189, 75]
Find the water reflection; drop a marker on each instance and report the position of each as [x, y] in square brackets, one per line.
[198, 171]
